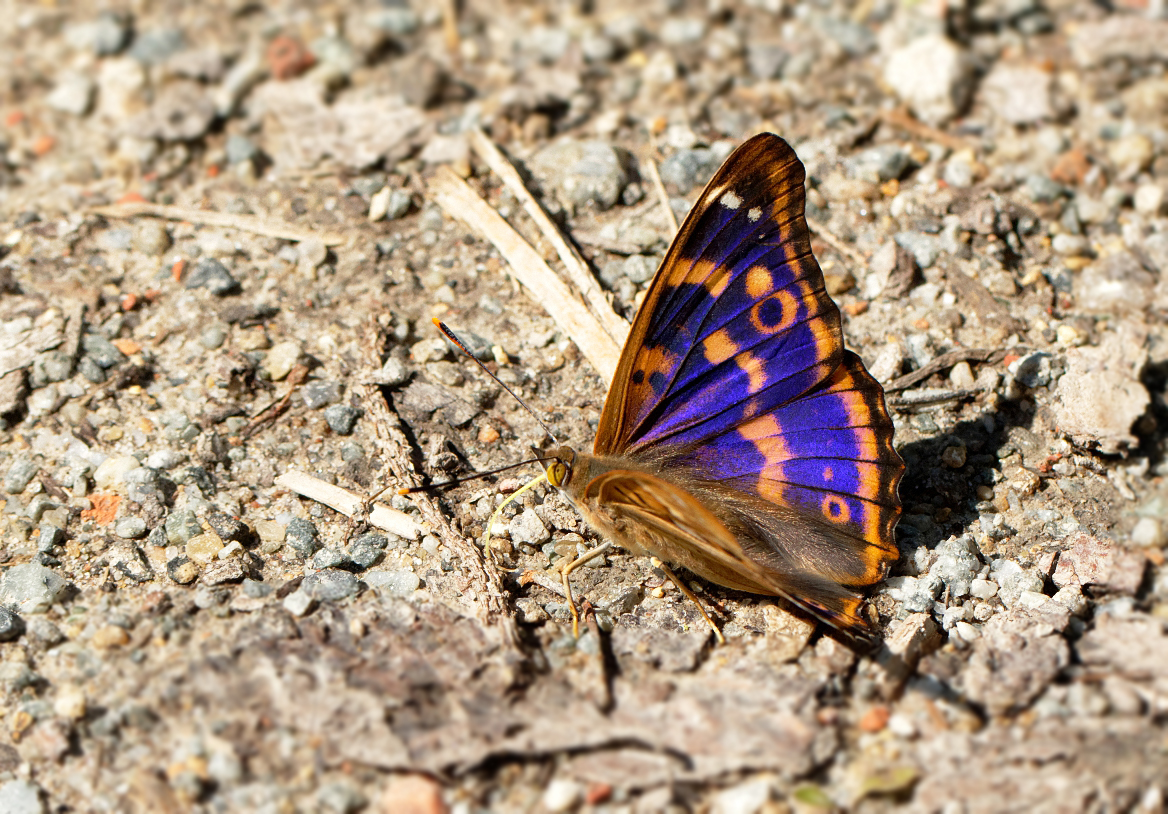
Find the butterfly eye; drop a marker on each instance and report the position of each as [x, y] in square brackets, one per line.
[557, 474]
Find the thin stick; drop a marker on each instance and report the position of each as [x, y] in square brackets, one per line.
[659, 186]
[349, 504]
[207, 217]
[574, 264]
[460, 201]
[901, 118]
[830, 239]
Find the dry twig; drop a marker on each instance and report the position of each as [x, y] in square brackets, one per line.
[349, 504]
[575, 265]
[207, 217]
[460, 201]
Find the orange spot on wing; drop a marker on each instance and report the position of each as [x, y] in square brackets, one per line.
[719, 347]
[836, 510]
[762, 313]
[765, 435]
[759, 282]
[752, 366]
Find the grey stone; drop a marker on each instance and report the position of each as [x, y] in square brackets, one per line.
[1101, 395]
[111, 33]
[91, 370]
[400, 583]
[933, 75]
[51, 366]
[639, 268]
[155, 47]
[73, 94]
[878, 164]
[19, 475]
[685, 169]
[330, 585]
[212, 275]
[320, 394]
[183, 111]
[165, 458]
[399, 204]
[925, 248]
[328, 557]
[341, 418]
[31, 588]
[301, 537]
[151, 237]
[130, 528]
[1043, 189]
[181, 526]
[582, 173]
[1032, 370]
[527, 527]
[49, 538]
[240, 149]
[103, 352]
[957, 565]
[21, 797]
[1019, 94]
[916, 595]
[221, 572]
[682, 30]
[766, 60]
[396, 20]
[11, 625]
[1117, 283]
[339, 797]
[299, 602]
[1013, 580]
[44, 632]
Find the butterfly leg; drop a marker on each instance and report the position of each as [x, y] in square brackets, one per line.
[681, 586]
[567, 570]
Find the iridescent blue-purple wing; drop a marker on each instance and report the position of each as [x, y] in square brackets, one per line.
[735, 370]
[737, 320]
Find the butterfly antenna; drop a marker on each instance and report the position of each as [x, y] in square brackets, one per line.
[466, 478]
[458, 343]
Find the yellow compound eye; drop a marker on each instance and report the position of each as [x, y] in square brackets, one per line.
[557, 473]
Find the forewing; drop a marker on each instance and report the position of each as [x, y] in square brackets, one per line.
[737, 320]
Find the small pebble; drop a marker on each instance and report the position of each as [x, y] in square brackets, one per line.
[151, 237]
[212, 275]
[31, 588]
[341, 418]
[130, 528]
[181, 526]
[11, 625]
[203, 548]
[182, 570]
[301, 536]
[328, 558]
[400, 583]
[299, 602]
[70, 703]
[280, 360]
[110, 636]
[561, 795]
[101, 351]
[1148, 532]
[19, 475]
[320, 394]
[21, 797]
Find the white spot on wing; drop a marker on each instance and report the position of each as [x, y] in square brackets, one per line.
[754, 213]
[730, 200]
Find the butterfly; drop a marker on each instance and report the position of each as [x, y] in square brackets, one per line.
[739, 439]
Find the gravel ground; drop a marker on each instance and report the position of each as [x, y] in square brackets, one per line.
[989, 183]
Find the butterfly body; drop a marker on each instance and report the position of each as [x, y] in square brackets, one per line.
[739, 439]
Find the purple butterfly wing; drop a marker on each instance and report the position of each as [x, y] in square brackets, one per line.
[735, 368]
